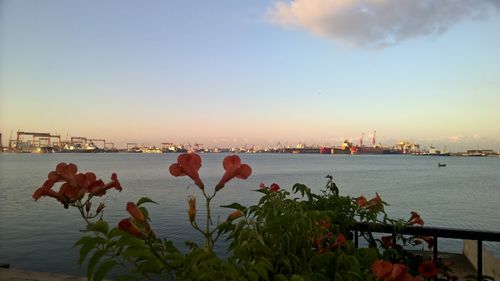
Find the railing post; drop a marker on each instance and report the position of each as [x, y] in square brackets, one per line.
[479, 260]
[435, 250]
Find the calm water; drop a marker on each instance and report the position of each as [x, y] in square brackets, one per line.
[39, 235]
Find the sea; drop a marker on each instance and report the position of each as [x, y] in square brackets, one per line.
[40, 235]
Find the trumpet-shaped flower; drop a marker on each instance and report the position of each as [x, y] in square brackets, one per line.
[428, 269]
[188, 164]
[387, 271]
[361, 201]
[233, 167]
[74, 186]
[415, 219]
[375, 203]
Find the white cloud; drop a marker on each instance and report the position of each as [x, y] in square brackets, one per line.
[378, 23]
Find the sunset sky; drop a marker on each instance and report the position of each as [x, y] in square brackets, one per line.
[253, 72]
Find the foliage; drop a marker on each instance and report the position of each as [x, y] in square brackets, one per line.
[287, 235]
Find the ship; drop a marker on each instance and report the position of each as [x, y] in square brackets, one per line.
[326, 150]
[435, 152]
[150, 149]
[79, 148]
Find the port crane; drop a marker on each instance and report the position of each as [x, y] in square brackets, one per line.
[198, 146]
[373, 139]
[361, 139]
[109, 143]
[131, 144]
[37, 137]
[78, 140]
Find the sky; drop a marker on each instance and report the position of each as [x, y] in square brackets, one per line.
[243, 73]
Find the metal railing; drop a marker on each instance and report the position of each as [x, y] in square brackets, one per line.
[435, 232]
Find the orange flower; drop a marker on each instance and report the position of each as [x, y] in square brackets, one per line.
[46, 191]
[340, 241]
[192, 208]
[98, 188]
[234, 215]
[375, 203]
[274, 187]
[387, 241]
[66, 171]
[361, 201]
[74, 185]
[415, 219]
[128, 226]
[428, 269]
[382, 269]
[188, 164]
[135, 212]
[398, 271]
[233, 167]
[429, 240]
[385, 270]
[326, 223]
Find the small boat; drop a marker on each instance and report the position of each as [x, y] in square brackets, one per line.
[441, 165]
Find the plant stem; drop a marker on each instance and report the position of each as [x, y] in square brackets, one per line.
[209, 219]
[80, 208]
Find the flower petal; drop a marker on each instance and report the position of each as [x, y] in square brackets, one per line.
[176, 170]
[244, 172]
[231, 162]
[191, 160]
[382, 269]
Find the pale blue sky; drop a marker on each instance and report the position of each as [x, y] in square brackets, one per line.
[224, 72]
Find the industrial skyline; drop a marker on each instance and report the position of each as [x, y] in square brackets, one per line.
[248, 73]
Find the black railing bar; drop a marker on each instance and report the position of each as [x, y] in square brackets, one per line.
[435, 248]
[493, 236]
[479, 260]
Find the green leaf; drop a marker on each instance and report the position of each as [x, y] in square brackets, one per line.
[103, 269]
[280, 277]
[261, 270]
[114, 232]
[252, 276]
[82, 240]
[100, 226]
[145, 200]
[152, 264]
[129, 240]
[145, 213]
[137, 252]
[235, 206]
[88, 246]
[174, 256]
[296, 277]
[93, 261]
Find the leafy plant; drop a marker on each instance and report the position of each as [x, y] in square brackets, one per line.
[297, 235]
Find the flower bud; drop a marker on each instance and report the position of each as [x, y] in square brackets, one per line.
[274, 187]
[134, 211]
[88, 205]
[234, 215]
[128, 226]
[192, 208]
[100, 208]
